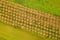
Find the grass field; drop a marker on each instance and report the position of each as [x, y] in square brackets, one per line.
[49, 6]
[8, 32]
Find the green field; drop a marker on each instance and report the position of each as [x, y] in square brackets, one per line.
[8, 32]
[49, 6]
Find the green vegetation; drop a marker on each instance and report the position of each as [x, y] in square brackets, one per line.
[49, 6]
[8, 32]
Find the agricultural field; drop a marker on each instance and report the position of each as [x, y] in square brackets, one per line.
[48, 6]
[8, 32]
